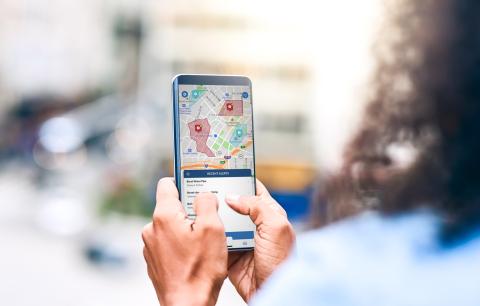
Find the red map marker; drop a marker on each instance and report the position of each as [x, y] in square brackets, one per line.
[199, 132]
[232, 108]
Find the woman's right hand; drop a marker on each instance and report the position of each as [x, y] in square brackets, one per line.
[274, 239]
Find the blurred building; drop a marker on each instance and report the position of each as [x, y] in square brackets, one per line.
[239, 38]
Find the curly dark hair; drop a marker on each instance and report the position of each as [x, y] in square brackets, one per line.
[418, 145]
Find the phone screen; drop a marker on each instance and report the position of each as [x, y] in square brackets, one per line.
[216, 152]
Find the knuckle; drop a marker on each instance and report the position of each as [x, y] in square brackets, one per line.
[145, 255]
[212, 228]
[217, 227]
[144, 237]
[159, 216]
[147, 227]
[146, 232]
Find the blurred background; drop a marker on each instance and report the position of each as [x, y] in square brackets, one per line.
[85, 123]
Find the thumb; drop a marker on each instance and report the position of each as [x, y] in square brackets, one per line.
[242, 204]
[258, 208]
[238, 204]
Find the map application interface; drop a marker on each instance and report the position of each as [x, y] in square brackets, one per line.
[216, 152]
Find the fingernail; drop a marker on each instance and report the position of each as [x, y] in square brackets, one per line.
[232, 198]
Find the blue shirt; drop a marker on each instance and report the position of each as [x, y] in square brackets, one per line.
[372, 260]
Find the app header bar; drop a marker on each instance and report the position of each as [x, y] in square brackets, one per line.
[217, 173]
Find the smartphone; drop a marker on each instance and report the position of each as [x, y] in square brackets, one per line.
[214, 146]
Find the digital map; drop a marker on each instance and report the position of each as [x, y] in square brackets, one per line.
[215, 127]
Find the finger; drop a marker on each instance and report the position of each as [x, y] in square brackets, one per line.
[166, 189]
[262, 192]
[206, 207]
[247, 205]
[233, 200]
[168, 205]
[241, 207]
[258, 208]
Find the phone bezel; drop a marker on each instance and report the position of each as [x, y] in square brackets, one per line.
[198, 79]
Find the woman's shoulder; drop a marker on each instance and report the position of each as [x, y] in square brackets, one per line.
[371, 235]
[357, 261]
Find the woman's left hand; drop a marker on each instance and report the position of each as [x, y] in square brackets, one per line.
[187, 261]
